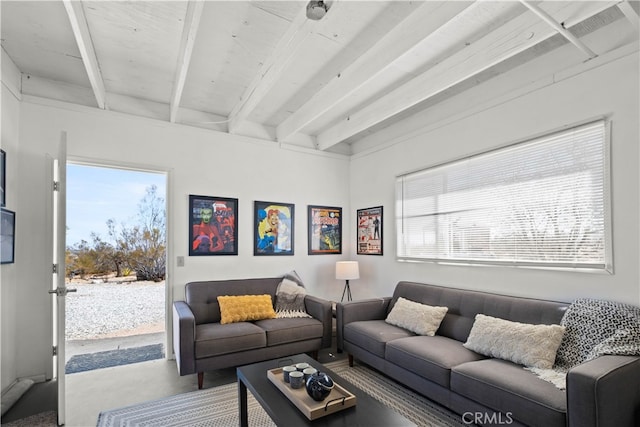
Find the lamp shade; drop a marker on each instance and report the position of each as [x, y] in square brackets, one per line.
[346, 270]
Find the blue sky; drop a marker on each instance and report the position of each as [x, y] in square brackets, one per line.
[96, 194]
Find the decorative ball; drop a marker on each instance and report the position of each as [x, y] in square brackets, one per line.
[319, 386]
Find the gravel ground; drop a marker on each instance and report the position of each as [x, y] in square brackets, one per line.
[105, 310]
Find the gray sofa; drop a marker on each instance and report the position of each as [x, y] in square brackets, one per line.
[487, 391]
[201, 343]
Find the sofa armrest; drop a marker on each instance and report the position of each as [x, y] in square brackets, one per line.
[353, 311]
[184, 337]
[604, 392]
[321, 309]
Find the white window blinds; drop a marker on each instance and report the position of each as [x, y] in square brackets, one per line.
[543, 202]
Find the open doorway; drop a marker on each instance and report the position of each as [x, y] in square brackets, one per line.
[115, 258]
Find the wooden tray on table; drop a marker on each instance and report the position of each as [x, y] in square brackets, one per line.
[338, 400]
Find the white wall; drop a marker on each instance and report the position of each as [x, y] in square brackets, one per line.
[444, 133]
[8, 272]
[197, 161]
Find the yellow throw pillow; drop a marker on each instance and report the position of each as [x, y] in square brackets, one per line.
[241, 308]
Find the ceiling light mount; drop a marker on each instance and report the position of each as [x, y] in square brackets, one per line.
[316, 9]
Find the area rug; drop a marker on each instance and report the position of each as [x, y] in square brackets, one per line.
[110, 358]
[218, 406]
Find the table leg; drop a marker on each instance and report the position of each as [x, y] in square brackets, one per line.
[242, 402]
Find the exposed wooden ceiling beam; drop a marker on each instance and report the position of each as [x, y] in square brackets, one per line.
[630, 13]
[80, 28]
[559, 28]
[191, 23]
[514, 37]
[272, 68]
[397, 42]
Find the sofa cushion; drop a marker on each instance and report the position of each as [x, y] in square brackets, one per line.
[373, 335]
[214, 339]
[202, 297]
[283, 331]
[429, 357]
[422, 319]
[240, 308]
[464, 304]
[529, 345]
[509, 388]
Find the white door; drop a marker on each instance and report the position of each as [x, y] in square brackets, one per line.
[59, 289]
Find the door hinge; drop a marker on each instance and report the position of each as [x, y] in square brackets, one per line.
[55, 268]
[56, 186]
[55, 350]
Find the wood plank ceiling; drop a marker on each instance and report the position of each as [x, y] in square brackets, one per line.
[263, 69]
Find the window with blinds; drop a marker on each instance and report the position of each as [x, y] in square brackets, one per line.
[540, 203]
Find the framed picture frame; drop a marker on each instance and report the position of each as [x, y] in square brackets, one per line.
[7, 236]
[273, 228]
[3, 178]
[213, 226]
[369, 226]
[325, 230]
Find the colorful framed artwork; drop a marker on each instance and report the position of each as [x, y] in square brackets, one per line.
[213, 226]
[3, 177]
[273, 228]
[325, 230]
[369, 231]
[7, 236]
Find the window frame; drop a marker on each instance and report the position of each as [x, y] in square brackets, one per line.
[607, 266]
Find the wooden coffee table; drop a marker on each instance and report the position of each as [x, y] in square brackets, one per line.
[367, 412]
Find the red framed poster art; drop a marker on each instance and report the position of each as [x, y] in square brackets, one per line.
[213, 226]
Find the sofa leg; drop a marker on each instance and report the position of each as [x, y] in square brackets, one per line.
[314, 355]
[200, 380]
[350, 360]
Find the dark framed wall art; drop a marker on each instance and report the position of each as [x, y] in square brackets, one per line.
[3, 177]
[213, 226]
[7, 236]
[273, 228]
[325, 230]
[369, 231]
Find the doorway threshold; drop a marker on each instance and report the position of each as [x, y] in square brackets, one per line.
[86, 355]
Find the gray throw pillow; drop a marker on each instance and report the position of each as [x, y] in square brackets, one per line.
[290, 297]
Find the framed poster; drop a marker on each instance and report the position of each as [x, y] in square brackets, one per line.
[273, 228]
[7, 236]
[325, 230]
[3, 177]
[369, 231]
[213, 226]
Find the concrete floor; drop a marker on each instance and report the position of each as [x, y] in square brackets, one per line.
[88, 393]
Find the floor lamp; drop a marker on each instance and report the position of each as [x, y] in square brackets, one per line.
[346, 270]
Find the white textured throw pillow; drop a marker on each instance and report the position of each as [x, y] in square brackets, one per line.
[419, 318]
[534, 346]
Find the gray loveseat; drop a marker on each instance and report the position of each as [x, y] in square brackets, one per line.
[201, 343]
[602, 392]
